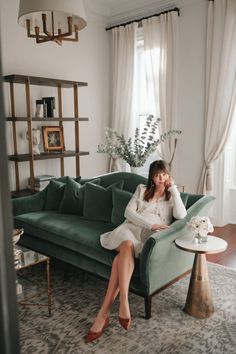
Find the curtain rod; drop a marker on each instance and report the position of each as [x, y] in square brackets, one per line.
[144, 18]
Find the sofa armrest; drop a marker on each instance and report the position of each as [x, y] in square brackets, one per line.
[29, 203]
[159, 250]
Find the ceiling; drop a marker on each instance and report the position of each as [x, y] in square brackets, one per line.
[123, 10]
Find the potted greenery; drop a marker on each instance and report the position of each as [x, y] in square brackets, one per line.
[135, 151]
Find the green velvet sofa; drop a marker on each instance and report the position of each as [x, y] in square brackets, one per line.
[65, 221]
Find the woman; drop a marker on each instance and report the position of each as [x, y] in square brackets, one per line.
[150, 209]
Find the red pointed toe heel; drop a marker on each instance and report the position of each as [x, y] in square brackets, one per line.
[125, 322]
[91, 336]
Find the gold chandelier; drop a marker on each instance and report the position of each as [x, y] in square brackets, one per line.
[52, 20]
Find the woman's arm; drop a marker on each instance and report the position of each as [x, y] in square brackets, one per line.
[179, 211]
[131, 213]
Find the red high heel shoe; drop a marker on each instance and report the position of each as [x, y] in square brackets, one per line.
[91, 336]
[125, 322]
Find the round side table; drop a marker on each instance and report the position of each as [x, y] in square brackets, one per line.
[199, 299]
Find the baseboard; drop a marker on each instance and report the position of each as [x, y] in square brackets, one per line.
[220, 222]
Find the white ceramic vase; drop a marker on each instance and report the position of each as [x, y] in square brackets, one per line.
[137, 170]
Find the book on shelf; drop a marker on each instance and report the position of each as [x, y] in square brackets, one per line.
[38, 186]
[42, 178]
[40, 182]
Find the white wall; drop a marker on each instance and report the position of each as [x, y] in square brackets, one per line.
[190, 92]
[87, 61]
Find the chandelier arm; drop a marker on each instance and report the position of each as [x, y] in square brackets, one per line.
[31, 35]
[47, 36]
[65, 34]
[42, 40]
[52, 23]
[75, 39]
[44, 19]
[58, 42]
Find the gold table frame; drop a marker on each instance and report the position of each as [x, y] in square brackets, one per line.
[38, 258]
[199, 301]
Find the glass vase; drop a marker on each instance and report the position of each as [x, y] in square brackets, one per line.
[200, 239]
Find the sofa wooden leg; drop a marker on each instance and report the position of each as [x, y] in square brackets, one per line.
[148, 307]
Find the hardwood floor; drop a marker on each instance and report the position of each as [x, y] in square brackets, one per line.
[227, 258]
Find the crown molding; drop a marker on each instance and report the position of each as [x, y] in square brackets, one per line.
[97, 12]
[110, 13]
[148, 8]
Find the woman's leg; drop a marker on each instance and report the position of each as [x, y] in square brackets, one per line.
[125, 271]
[111, 293]
[122, 269]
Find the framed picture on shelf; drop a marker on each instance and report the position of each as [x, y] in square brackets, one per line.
[53, 138]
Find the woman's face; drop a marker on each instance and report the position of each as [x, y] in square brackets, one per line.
[160, 178]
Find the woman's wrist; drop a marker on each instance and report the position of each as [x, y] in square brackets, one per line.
[172, 188]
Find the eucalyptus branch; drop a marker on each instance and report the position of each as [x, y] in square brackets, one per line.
[136, 151]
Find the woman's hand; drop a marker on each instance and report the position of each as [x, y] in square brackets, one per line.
[169, 182]
[156, 227]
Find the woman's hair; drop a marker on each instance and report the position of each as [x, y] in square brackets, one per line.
[155, 168]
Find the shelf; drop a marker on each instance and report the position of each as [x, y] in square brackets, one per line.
[22, 193]
[48, 119]
[42, 81]
[29, 118]
[45, 155]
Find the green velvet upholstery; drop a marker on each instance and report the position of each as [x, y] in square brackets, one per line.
[30, 203]
[98, 201]
[193, 198]
[54, 195]
[120, 199]
[75, 239]
[73, 198]
[184, 197]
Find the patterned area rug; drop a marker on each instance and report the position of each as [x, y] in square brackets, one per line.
[169, 331]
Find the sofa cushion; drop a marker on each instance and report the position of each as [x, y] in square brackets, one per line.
[98, 201]
[70, 231]
[54, 195]
[120, 199]
[131, 181]
[73, 199]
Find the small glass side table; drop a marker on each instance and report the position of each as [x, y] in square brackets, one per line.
[199, 300]
[29, 258]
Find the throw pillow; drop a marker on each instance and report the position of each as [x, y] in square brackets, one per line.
[73, 199]
[120, 199]
[54, 195]
[98, 201]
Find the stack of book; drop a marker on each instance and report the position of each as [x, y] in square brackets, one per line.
[40, 182]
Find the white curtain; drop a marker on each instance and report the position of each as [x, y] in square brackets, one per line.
[220, 83]
[123, 59]
[160, 35]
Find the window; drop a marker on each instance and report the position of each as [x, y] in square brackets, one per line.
[144, 88]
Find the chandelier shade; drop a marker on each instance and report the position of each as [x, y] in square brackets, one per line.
[52, 20]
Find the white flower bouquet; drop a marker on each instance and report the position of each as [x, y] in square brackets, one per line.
[200, 225]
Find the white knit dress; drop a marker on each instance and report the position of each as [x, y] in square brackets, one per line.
[141, 215]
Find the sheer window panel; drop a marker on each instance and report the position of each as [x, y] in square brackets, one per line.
[144, 99]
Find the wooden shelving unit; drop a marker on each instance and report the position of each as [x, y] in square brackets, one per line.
[27, 81]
